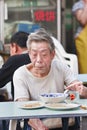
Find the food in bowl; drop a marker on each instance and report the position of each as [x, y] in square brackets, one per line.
[53, 97]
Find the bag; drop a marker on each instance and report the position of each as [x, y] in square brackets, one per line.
[81, 48]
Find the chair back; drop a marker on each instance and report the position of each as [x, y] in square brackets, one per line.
[70, 59]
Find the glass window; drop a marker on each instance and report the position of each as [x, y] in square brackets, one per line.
[29, 15]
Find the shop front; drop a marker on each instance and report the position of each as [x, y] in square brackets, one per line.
[29, 15]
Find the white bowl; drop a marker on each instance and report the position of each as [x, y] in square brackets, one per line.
[53, 97]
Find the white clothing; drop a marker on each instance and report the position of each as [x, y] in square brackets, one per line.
[28, 86]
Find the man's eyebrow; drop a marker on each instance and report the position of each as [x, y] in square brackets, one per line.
[46, 49]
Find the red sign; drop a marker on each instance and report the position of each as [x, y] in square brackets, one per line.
[48, 16]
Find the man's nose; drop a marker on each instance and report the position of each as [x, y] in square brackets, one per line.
[39, 58]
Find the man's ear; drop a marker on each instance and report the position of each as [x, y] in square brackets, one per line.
[29, 52]
[53, 54]
[16, 48]
[13, 49]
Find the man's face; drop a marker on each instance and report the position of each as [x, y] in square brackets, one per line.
[41, 57]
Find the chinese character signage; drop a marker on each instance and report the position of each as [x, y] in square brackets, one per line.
[48, 16]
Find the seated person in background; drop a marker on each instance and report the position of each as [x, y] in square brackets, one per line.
[43, 75]
[17, 47]
[19, 56]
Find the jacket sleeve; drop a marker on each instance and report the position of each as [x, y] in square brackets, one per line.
[7, 70]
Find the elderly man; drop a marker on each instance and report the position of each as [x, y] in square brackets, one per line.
[44, 74]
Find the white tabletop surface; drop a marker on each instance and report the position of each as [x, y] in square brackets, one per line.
[11, 110]
[82, 77]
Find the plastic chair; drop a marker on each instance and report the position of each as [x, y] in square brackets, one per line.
[70, 59]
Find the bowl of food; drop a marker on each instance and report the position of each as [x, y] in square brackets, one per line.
[53, 97]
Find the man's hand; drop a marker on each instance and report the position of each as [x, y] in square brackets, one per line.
[76, 86]
[79, 87]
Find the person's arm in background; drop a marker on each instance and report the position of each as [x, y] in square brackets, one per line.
[7, 70]
[80, 12]
[81, 15]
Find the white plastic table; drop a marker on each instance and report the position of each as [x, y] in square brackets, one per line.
[82, 77]
[11, 110]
